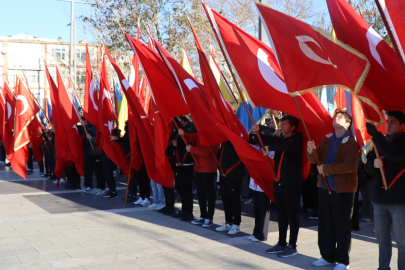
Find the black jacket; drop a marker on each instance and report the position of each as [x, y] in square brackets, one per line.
[87, 149]
[181, 146]
[291, 166]
[228, 157]
[394, 162]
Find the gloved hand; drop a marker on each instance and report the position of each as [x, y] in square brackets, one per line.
[371, 129]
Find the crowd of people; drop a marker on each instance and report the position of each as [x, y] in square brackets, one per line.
[340, 185]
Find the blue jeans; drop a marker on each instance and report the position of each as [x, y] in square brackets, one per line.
[157, 193]
[385, 217]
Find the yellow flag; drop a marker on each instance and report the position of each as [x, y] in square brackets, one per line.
[122, 113]
[185, 63]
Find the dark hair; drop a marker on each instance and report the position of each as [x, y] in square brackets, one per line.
[84, 119]
[292, 120]
[185, 119]
[346, 116]
[399, 115]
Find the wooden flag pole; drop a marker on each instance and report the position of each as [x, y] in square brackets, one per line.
[239, 90]
[384, 179]
[85, 129]
[309, 138]
[126, 193]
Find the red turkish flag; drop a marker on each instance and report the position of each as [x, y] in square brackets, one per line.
[394, 13]
[136, 155]
[8, 120]
[106, 121]
[63, 156]
[310, 59]
[2, 112]
[90, 110]
[194, 95]
[25, 110]
[70, 118]
[259, 73]
[257, 165]
[170, 101]
[134, 71]
[386, 78]
[145, 133]
[33, 128]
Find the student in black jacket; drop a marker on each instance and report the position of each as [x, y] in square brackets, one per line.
[389, 205]
[184, 171]
[287, 188]
[231, 185]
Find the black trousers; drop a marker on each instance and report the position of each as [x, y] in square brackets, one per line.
[108, 168]
[334, 229]
[49, 163]
[313, 180]
[230, 194]
[261, 209]
[73, 176]
[2, 152]
[41, 165]
[206, 187]
[184, 184]
[144, 182]
[93, 164]
[288, 200]
[30, 163]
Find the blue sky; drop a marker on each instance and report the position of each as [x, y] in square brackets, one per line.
[49, 18]
[40, 18]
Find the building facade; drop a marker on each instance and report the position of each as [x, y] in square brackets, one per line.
[27, 53]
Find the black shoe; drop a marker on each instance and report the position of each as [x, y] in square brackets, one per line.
[314, 215]
[46, 175]
[53, 177]
[355, 228]
[113, 196]
[169, 212]
[187, 217]
[129, 199]
[8, 165]
[179, 214]
[162, 210]
[107, 194]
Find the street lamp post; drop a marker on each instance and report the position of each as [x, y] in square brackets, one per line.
[72, 50]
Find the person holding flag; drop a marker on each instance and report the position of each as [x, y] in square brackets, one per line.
[287, 187]
[389, 203]
[338, 154]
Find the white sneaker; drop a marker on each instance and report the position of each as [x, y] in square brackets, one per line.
[251, 237]
[100, 192]
[254, 239]
[160, 206]
[341, 266]
[139, 201]
[153, 206]
[223, 228]
[146, 202]
[321, 262]
[234, 229]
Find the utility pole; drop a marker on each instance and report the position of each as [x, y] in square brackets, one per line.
[72, 49]
[261, 28]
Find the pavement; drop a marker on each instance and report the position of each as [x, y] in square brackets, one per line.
[45, 227]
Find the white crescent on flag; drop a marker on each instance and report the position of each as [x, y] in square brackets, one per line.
[373, 39]
[91, 90]
[309, 52]
[25, 103]
[268, 73]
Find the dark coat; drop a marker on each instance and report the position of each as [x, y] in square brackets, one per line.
[394, 162]
[291, 166]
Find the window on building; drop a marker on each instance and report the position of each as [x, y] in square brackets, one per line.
[81, 55]
[80, 78]
[59, 53]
